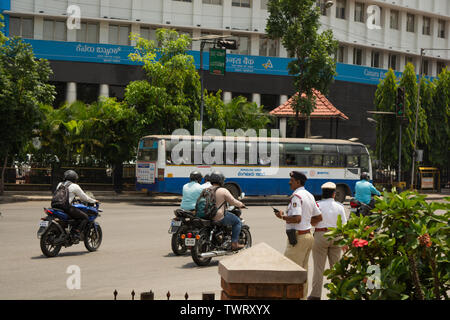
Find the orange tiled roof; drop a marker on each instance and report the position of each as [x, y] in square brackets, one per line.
[324, 109]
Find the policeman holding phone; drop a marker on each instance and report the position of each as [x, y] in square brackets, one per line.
[302, 213]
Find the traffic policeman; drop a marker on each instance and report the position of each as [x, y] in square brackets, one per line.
[323, 247]
[302, 213]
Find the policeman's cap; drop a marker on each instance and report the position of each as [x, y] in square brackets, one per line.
[329, 185]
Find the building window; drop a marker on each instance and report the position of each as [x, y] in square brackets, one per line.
[241, 3]
[393, 61]
[88, 32]
[440, 67]
[148, 33]
[268, 47]
[426, 28]
[410, 22]
[55, 30]
[359, 12]
[426, 65]
[358, 56]
[340, 9]
[183, 0]
[376, 59]
[409, 60]
[340, 54]
[243, 43]
[441, 28]
[119, 34]
[394, 19]
[21, 27]
[218, 2]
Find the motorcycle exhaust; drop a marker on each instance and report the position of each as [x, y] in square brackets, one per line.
[217, 253]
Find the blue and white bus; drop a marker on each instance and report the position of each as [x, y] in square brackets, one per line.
[321, 160]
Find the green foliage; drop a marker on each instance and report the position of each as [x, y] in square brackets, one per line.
[407, 239]
[241, 114]
[297, 24]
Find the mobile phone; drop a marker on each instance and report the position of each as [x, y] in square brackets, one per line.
[275, 210]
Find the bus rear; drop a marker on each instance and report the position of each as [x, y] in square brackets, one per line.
[150, 164]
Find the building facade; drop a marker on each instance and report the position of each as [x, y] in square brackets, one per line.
[91, 60]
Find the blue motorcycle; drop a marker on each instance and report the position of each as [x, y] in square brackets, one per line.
[55, 230]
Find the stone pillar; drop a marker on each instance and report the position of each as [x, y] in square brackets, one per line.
[227, 96]
[261, 272]
[256, 97]
[71, 94]
[104, 91]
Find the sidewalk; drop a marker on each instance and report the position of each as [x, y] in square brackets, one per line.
[161, 199]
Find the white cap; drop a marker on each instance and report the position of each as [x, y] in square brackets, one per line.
[328, 185]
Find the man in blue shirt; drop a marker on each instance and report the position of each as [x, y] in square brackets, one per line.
[191, 191]
[364, 190]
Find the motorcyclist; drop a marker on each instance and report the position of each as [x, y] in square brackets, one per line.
[225, 217]
[364, 190]
[75, 213]
[191, 191]
[207, 183]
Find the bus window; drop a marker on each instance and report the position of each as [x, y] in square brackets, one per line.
[316, 160]
[147, 155]
[324, 148]
[352, 161]
[364, 163]
[330, 161]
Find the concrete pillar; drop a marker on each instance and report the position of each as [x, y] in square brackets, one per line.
[261, 272]
[227, 96]
[71, 92]
[197, 8]
[136, 29]
[104, 32]
[196, 33]
[283, 99]
[104, 91]
[38, 28]
[256, 97]
[226, 20]
[283, 125]
[254, 45]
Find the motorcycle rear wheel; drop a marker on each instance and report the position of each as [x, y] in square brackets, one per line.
[202, 245]
[48, 248]
[93, 238]
[178, 246]
[245, 238]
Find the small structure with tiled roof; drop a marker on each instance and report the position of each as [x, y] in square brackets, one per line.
[324, 111]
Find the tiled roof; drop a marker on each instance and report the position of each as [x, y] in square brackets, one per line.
[324, 109]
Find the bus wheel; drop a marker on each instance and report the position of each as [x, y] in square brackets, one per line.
[340, 194]
[234, 189]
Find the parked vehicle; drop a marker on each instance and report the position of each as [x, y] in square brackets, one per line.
[181, 224]
[55, 230]
[212, 239]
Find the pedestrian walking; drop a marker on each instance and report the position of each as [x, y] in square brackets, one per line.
[324, 248]
[302, 212]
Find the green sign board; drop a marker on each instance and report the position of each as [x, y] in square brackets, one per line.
[217, 61]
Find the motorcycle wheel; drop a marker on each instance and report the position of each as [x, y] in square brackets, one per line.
[245, 238]
[202, 245]
[178, 246]
[48, 248]
[93, 238]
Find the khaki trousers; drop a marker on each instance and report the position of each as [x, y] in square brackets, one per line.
[300, 254]
[322, 249]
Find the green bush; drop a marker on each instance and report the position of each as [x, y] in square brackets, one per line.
[401, 251]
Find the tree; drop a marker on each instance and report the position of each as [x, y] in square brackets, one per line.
[297, 24]
[23, 87]
[242, 114]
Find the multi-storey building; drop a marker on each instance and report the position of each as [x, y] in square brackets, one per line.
[373, 36]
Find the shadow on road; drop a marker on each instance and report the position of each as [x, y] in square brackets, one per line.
[64, 254]
[191, 265]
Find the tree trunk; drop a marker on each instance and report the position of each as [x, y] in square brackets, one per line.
[308, 127]
[117, 177]
[2, 180]
[56, 175]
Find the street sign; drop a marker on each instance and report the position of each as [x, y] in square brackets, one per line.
[217, 61]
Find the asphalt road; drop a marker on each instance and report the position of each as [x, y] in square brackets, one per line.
[135, 255]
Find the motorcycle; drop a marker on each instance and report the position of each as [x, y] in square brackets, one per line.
[360, 207]
[212, 239]
[181, 224]
[55, 229]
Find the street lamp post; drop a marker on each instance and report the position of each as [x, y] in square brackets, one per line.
[422, 52]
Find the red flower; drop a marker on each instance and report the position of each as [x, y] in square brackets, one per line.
[359, 243]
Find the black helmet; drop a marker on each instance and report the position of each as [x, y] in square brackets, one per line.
[365, 176]
[196, 176]
[207, 178]
[217, 178]
[70, 175]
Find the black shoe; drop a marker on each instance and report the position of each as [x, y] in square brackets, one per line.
[313, 298]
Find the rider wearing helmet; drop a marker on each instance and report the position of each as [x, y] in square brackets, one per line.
[207, 182]
[70, 179]
[364, 190]
[223, 195]
[191, 191]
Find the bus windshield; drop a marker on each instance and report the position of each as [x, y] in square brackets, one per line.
[148, 150]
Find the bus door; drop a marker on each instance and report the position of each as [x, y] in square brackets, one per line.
[352, 168]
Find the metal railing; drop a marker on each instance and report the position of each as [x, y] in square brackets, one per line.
[150, 295]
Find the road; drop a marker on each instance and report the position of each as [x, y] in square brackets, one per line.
[135, 255]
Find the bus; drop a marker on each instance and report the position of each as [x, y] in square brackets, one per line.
[246, 168]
